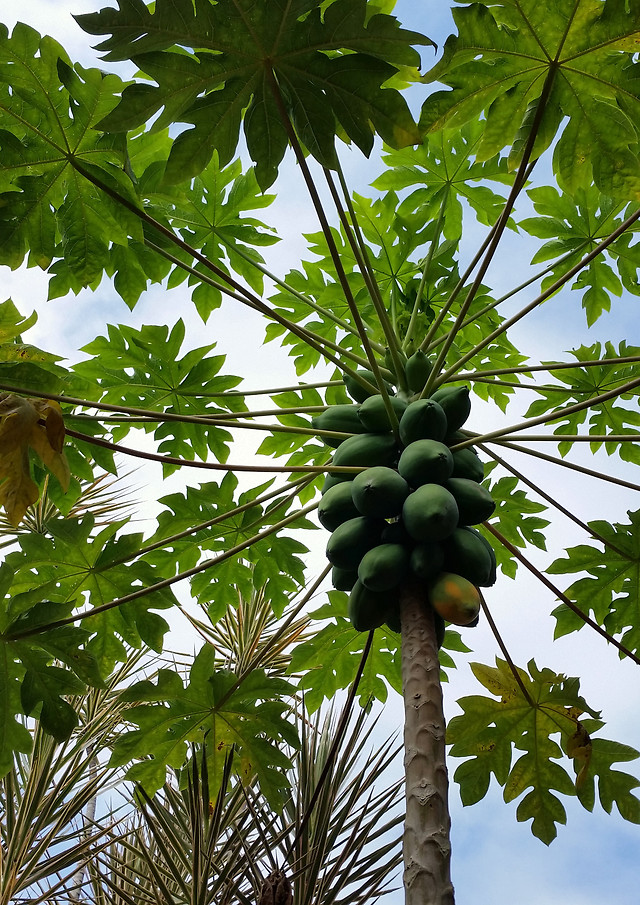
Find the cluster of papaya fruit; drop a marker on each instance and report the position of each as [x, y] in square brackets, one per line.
[408, 514]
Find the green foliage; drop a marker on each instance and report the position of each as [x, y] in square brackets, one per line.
[217, 709]
[610, 590]
[532, 709]
[528, 65]
[324, 67]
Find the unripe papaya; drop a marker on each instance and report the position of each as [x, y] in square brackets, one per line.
[374, 416]
[368, 609]
[331, 480]
[417, 370]
[425, 462]
[367, 450]
[357, 391]
[465, 554]
[342, 418]
[430, 513]
[391, 365]
[455, 599]
[475, 503]
[393, 619]
[351, 540]
[343, 579]
[427, 561]
[456, 404]
[379, 492]
[337, 506]
[383, 567]
[396, 533]
[466, 464]
[423, 419]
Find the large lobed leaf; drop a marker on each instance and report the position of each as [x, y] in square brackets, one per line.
[529, 715]
[573, 56]
[218, 65]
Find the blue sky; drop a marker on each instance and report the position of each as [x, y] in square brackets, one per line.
[496, 860]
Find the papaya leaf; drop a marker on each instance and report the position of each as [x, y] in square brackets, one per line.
[516, 519]
[26, 424]
[161, 381]
[217, 65]
[610, 591]
[218, 709]
[47, 120]
[538, 714]
[508, 55]
[581, 383]
[443, 168]
[573, 226]
[72, 563]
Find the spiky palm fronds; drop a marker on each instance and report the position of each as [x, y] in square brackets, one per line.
[250, 636]
[48, 799]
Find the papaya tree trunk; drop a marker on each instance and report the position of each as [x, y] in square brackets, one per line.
[427, 846]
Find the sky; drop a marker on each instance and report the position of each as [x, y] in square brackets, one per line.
[594, 859]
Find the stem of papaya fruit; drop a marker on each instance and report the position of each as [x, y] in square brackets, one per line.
[427, 846]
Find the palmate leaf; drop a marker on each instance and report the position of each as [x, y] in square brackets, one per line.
[582, 383]
[70, 563]
[490, 732]
[573, 226]
[443, 169]
[161, 381]
[500, 62]
[47, 117]
[219, 710]
[517, 518]
[216, 65]
[610, 591]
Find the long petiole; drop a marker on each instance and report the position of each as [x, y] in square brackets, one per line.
[167, 582]
[559, 283]
[550, 366]
[558, 593]
[425, 273]
[551, 500]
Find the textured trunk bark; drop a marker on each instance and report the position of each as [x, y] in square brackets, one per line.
[427, 846]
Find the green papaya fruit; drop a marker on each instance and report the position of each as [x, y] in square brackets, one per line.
[425, 462]
[475, 503]
[332, 479]
[396, 533]
[390, 364]
[351, 540]
[379, 492]
[393, 620]
[492, 554]
[417, 370]
[337, 506]
[440, 627]
[427, 561]
[343, 418]
[456, 403]
[343, 579]
[368, 609]
[357, 391]
[367, 450]
[430, 513]
[383, 567]
[373, 414]
[466, 464]
[466, 554]
[423, 419]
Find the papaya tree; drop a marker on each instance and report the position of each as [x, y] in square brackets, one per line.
[423, 418]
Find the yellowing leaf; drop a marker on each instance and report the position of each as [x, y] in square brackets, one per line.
[28, 423]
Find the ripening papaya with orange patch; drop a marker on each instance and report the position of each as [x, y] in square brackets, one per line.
[455, 598]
